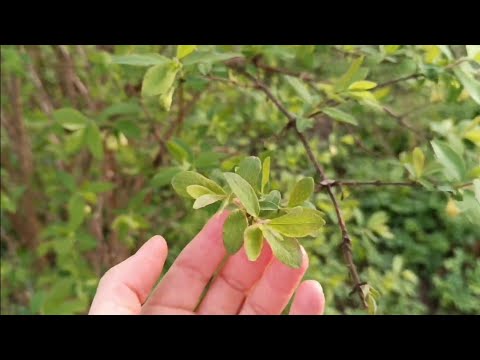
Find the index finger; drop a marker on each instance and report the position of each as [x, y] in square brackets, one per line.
[186, 279]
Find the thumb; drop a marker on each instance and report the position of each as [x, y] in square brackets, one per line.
[125, 287]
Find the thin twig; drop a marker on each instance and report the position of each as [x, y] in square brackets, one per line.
[395, 81]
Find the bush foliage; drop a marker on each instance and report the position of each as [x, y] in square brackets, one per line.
[376, 146]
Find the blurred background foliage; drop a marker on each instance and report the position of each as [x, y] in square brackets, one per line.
[87, 157]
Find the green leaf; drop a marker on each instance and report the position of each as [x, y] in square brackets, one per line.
[274, 197]
[187, 178]
[128, 128]
[185, 50]
[177, 151]
[93, 139]
[164, 176]
[476, 188]
[372, 305]
[340, 115]
[160, 78]
[166, 99]
[362, 85]
[140, 59]
[207, 160]
[446, 50]
[206, 200]
[268, 205]
[265, 172]
[454, 167]
[418, 159]
[6, 203]
[76, 211]
[233, 231]
[244, 191]
[195, 191]
[209, 57]
[253, 242]
[70, 119]
[125, 108]
[347, 78]
[301, 192]
[473, 51]
[469, 83]
[303, 123]
[299, 88]
[99, 186]
[249, 169]
[298, 223]
[287, 251]
[75, 142]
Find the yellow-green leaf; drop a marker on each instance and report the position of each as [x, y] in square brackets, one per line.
[286, 250]
[70, 119]
[253, 242]
[233, 231]
[182, 180]
[372, 305]
[165, 99]
[347, 78]
[453, 164]
[195, 191]
[340, 115]
[94, 141]
[206, 200]
[301, 192]
[159, 78]
[298, 223]
[471, 85]
[362, 85]
[76, 211]
[300, 88]
[265, 172]
[185, 50]
[249, 169]
[140, 59]
[244, 191]
[418, 159]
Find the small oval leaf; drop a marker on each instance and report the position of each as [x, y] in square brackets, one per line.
[233, 231]
[362, 85]
[253, 242]
[195, 191]
[287, 251]
[244, 191]
[299, 222]
[187, 178]
[250, 168]
[301, 192]
[206, 200]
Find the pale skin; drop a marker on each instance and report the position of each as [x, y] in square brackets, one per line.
[242, 287]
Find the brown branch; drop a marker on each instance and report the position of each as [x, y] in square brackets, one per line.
[347, 242]
[400, 120]
[44, 99]
[366, 183]
[395, 81]
[258, 62]
[25, 221]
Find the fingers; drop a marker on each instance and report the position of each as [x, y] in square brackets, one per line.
[273, 291]
[183, 285]
[309, 299]
[227, 292]
[125, 287]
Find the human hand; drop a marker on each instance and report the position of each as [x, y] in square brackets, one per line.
[242, 287]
